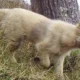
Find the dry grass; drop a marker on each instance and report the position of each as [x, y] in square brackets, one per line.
[12, 4]
[24, 68]
[20, 65]
[72, 66]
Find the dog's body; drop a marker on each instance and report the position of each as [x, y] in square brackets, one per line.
[54, 37]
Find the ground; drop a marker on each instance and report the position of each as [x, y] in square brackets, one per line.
[23, 67]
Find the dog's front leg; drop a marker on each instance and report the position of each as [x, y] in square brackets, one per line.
[59, 67]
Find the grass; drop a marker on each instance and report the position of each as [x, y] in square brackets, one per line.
[72, 66]
[13, 4]
[20, 65]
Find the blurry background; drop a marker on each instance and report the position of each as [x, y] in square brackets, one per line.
[79, 3]
[28, 1]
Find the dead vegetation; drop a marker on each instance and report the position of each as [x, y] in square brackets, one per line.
[12, 4]
[20, 65]
[24, 68]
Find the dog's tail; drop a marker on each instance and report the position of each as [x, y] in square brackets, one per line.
[3, 13]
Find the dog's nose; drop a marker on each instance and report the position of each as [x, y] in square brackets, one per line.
[37, 59]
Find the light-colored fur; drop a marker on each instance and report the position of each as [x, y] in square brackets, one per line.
[51, 37]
